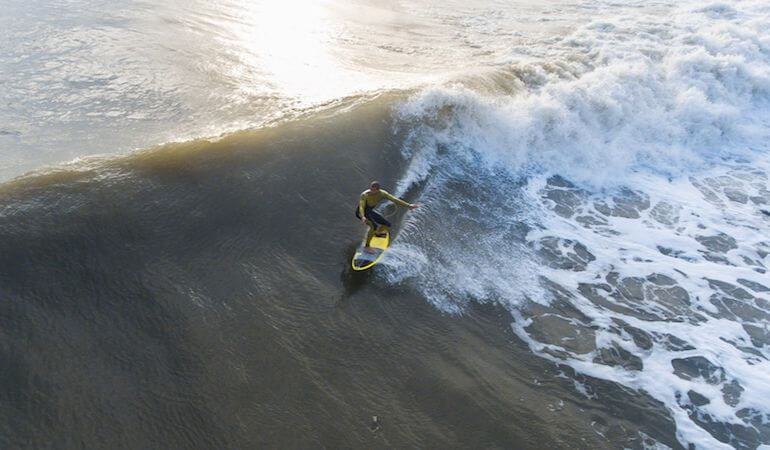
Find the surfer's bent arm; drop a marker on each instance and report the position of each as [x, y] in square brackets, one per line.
[362, 206]
[395, 199]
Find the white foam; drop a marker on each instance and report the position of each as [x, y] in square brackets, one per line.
[672, 106]
[698, 92]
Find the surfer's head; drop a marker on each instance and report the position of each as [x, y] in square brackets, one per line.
[374, 186]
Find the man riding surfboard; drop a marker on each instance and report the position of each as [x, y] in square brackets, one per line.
[369, 199]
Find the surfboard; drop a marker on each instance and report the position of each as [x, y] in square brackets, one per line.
[364, 259]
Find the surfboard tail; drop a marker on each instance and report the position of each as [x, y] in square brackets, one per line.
[367, 257]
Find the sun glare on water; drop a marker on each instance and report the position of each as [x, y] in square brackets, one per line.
[289, 43]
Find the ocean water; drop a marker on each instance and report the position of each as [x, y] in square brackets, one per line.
[588, 267]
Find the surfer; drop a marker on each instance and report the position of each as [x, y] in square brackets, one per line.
[370, 198]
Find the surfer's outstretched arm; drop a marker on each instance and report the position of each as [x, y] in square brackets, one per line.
[397, 200]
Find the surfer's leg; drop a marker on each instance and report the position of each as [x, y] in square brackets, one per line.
[369, 222]
[380, 222]
[377, 219]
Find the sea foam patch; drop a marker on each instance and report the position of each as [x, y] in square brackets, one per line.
[665, 305]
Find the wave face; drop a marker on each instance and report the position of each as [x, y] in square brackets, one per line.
[615, 200]
[200, 295]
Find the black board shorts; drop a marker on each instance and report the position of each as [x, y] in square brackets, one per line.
[370, 214]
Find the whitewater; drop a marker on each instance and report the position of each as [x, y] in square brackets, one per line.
[598, 171]
[634, 157]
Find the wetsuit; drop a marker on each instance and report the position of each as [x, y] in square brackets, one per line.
[369, 200]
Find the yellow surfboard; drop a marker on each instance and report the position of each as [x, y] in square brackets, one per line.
[365, 258]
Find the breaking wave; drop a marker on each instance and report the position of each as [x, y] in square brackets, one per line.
[615, 200]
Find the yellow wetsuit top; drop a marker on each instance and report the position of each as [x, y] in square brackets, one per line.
[372, 199]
